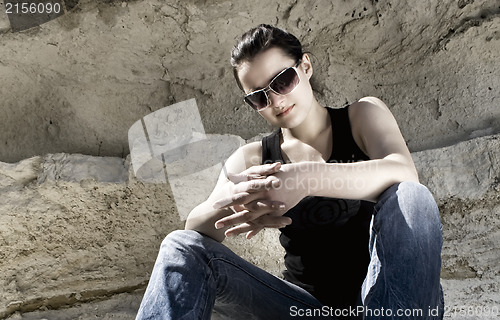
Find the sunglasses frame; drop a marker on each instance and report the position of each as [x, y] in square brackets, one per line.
[268, 88]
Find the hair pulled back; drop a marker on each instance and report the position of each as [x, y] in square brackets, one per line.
[259, 39]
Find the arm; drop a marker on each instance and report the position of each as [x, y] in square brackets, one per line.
[376, 132]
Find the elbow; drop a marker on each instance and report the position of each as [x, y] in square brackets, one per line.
[410, 173]
[401, 168]
[405, 173]
[191, 223]
[188, 225]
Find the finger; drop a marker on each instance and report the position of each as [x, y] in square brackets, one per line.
[239, 207]
[242, 228]
[276, 208]
[257, 185]
[242, 177]
[255, 173]
[232, 201]
[250, 234]
[248, 227]
[264, 170]
[234, 219]
[269, 221]
[252, 211]
[235, 200]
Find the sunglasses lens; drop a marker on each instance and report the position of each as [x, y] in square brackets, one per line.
[285, 82]
[282, 84]
[257, 100]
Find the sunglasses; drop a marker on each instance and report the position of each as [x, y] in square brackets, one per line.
[284, 83]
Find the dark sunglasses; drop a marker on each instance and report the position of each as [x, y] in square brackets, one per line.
[284, 83]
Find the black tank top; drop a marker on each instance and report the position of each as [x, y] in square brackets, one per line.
[327, 243]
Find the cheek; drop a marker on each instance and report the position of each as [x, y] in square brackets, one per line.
[307, 88]
[268, 115]
[303, 95]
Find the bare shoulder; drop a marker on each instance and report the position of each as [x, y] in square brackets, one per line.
[374, 128]
[367, 104]
[369, 112]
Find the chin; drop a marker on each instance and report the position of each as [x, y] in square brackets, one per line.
[291, 123]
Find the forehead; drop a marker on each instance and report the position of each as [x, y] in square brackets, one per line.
[257, 74]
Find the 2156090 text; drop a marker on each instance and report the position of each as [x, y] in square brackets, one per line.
[32, 8]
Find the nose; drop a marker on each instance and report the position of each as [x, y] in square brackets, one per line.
[277, 100]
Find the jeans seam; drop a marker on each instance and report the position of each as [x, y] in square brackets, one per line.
[205, 306]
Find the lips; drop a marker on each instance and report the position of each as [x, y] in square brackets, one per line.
[285, 112]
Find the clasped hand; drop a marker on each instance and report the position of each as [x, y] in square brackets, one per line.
[259, 200]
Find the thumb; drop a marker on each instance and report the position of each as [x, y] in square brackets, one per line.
[265, 169]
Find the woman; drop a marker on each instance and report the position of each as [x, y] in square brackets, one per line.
[362, 236]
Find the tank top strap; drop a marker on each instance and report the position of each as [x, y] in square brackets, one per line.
[345, 148]
[271, 149]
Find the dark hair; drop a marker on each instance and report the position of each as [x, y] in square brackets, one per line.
[258, 40]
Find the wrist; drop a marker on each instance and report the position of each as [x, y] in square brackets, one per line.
[311, 177]
[304, 177]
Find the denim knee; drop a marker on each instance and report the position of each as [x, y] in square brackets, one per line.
[419, 204]
[190, 243]
[182, 238]
[415, 203]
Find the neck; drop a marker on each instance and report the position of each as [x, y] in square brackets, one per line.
[313, 125]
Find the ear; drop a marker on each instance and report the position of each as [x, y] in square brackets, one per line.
[306, 65]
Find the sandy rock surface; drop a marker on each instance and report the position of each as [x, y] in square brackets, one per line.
[78, 82]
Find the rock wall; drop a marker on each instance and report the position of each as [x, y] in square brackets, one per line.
[76, 229]
[78, 82]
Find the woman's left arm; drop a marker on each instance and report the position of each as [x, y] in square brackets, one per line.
[377, 133]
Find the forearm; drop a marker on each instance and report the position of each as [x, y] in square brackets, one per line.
[203, 218]
[364, 180]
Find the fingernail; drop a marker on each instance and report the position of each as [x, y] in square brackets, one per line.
[275, 165]
[219, 225]
[217, 206]
[276, 183]
[278, 206]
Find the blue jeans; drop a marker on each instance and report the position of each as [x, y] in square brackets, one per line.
[195, 274]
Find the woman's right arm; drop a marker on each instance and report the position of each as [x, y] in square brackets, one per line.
[241, 174]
